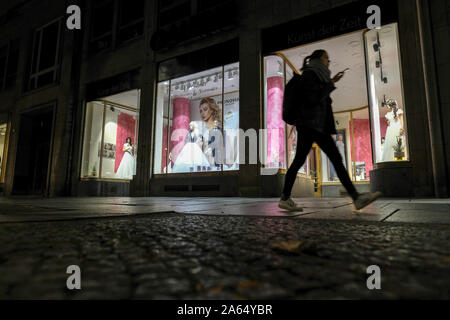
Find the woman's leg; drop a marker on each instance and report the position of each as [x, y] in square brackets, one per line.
[327, 144]
[304, 144]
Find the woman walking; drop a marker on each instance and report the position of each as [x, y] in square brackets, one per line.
[316, 124]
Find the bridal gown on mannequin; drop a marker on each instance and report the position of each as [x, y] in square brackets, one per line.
[127, 165]
[191, 157]
[393, 131]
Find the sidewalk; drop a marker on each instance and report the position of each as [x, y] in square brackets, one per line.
[19, 209]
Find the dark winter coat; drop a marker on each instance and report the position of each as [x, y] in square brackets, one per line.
[315, 111]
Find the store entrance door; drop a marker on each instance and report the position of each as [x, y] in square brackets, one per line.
[33, 154]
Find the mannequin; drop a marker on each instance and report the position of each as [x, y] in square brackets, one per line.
[394, 130]
[191, 157]
[127, 167]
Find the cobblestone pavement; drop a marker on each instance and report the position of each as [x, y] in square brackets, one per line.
[178, 256]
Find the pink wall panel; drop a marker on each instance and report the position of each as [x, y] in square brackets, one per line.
[126, 126]
[275, 124]
[363, 145]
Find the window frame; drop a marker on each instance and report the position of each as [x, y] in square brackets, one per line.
[33, 75]
[102, 142]
[115, 29]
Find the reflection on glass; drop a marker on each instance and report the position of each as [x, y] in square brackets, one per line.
[202, 123]
[386, 95]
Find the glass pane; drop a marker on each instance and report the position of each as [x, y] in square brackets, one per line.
[195, 122]
[49, 46]
[36, 43]
[13, 60]
[231, 117]
[46, 79]
[102, 19]
[161, 130]
[361, 154]
[273, 98]
[119, 143]
[130, 13]
[92, 140]
[386, 95]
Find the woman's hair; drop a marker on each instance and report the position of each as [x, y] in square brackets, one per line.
[315, 55]
[131, 141]
[216, 111]
[394, 105]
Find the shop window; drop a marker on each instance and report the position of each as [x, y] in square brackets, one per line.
[197, 121]
[280, 141]
[116, 21]
[4, 138]
[386, 101]
[9, 58]
[110, 137]
[45, 56]
[350, 107]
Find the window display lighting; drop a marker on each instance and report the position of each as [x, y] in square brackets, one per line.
[204, 80]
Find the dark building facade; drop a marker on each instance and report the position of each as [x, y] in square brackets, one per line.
[184, 97]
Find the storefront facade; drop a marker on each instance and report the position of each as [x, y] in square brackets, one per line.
[144, 104]
[380, 111]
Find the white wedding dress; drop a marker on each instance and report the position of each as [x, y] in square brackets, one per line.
[191, 157]
[127, 167]
[393, 131]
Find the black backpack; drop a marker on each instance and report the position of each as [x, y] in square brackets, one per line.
[292, 100]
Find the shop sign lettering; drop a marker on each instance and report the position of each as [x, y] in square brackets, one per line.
[74, 20]
[374, 21]
[74, 280]
[374, 281]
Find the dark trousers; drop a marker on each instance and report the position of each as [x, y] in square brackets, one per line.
[305, 139]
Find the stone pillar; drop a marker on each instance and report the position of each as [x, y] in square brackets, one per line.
[140, 186]
[250, 101]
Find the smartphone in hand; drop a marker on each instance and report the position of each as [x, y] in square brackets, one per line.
[343, 71]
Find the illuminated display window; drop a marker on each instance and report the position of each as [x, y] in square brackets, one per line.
[197, 122]
[110, 137]
[390, 139]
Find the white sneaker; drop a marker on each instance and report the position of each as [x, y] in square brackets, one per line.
[289, 205]
[365, 199]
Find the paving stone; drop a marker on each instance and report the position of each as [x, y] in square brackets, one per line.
[185, 256]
